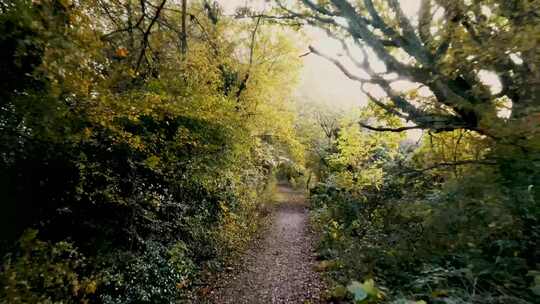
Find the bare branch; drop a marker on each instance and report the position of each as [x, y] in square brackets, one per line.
[340, 66]
[386, 129]
[243, 84]
[415, 48]
[309, 18]
[317, 8]
[426, 120]
[383, 105]
[147, 34]
[424, 22]
[453, 164]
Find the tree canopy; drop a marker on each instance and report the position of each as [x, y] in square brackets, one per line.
[444, 49]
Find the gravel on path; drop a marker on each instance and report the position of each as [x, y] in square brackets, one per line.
[278, 268]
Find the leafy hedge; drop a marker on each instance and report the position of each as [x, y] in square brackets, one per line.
[125, 185]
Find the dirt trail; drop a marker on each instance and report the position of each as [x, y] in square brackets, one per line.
[278, 268]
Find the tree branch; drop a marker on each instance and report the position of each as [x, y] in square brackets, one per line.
[243, 84]
[338, 64]
[452, 164]
[386, 129]
[147, 34]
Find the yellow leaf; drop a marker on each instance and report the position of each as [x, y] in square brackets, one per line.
[90, 287]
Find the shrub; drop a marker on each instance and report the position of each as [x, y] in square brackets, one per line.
[45, 272]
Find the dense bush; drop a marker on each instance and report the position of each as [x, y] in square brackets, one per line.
[447, 235]
[134, 163]
[45, 273]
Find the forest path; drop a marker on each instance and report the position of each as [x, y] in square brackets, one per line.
[278, 268]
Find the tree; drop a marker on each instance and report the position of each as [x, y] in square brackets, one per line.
[480, 162]
[446, 50]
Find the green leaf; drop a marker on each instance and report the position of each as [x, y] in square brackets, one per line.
[369, 288]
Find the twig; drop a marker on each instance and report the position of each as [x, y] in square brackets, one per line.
[453, 164]
[385, 129]
[147, 34]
